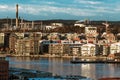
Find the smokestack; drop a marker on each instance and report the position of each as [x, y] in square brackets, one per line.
[17, 16]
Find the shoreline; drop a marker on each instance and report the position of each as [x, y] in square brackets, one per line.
[57, 56]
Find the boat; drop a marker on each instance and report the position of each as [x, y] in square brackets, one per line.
[112, 78]
[95, 61]
[75, 77]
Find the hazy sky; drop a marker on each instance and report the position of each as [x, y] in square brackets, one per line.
[62, 9]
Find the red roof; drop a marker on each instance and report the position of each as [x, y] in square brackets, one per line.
[111, 55]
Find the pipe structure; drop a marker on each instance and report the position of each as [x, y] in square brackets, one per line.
[17, 16]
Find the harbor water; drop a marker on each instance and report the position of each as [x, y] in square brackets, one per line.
[62, 66]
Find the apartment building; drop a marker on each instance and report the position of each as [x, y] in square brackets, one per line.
[44, 46]
[12, 41]
[66, 49]
[75, 49]
[22, 46]
[88, 50]
[2, 36]
[91, 33]
[56, 49]
[27, 46]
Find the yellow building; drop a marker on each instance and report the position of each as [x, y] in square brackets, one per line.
[12, 41]
[2, 39]
[27, 46]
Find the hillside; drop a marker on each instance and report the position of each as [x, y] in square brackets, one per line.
[68, 25]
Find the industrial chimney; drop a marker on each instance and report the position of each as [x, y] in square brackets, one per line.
[17, 16]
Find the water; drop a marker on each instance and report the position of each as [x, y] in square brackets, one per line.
[59, 66]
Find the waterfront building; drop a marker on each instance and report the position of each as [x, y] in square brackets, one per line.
[35, 43]
[66, 49]
[115, 48]
[75, 49]
[23, 46]
[106, 49]
[27, 46]
[12, 41]
[19, 47]
[102, 47]
[66, 46]
[56, 49]
[88, 50]
[99, 49]
[4, 68]
[2, 36]
[6, 40]
[44, 46]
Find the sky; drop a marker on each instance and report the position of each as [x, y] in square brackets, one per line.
[62, 9]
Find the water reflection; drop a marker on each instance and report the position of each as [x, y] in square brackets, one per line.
[64, 67]
[86, 70]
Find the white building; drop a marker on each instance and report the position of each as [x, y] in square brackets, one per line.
[115, 48]
[79, 23]
[88, 50]
[57, 24]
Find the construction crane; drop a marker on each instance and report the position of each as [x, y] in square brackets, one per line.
[106, 26]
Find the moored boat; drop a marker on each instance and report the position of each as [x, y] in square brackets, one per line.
[112, 78]
[95, 61]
